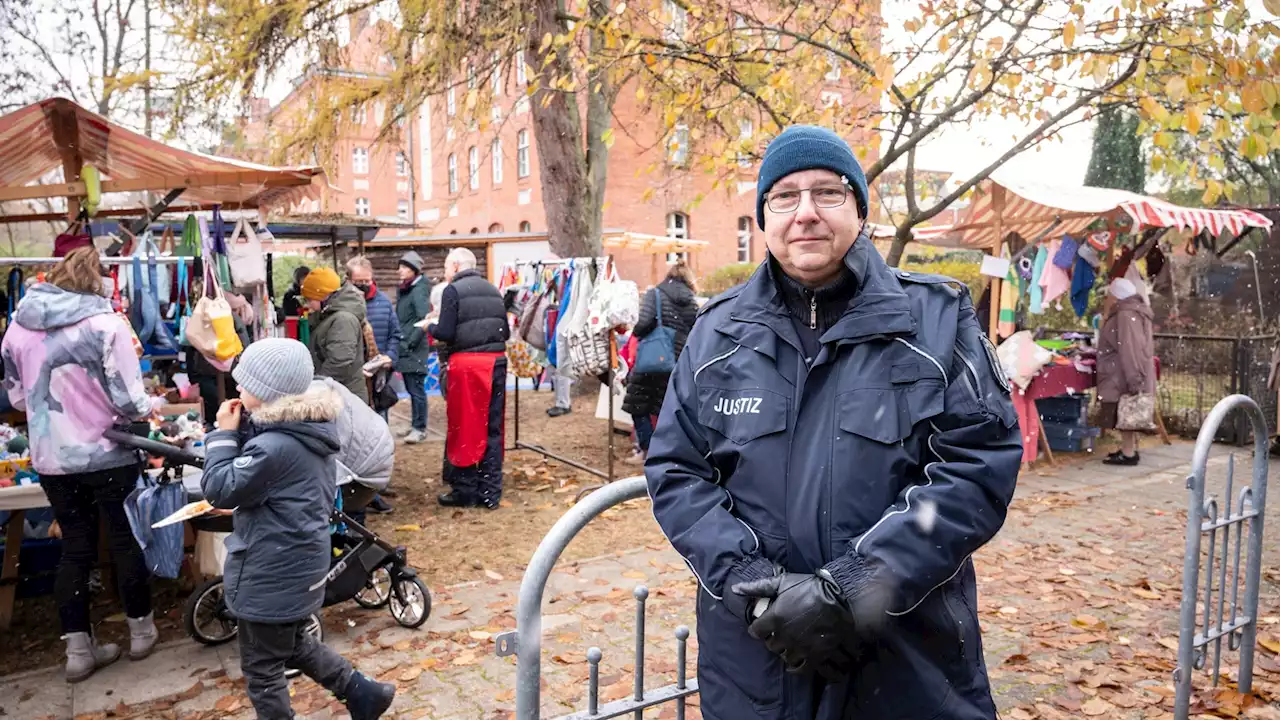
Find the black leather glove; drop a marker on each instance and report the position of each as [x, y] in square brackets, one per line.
[807, 622]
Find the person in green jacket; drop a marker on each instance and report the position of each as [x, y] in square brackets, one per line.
[336, 315]
[412, 305]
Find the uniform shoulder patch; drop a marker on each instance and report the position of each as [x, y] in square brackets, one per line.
[996, 368]
[950, 285]
[720, 299]
[243, 462]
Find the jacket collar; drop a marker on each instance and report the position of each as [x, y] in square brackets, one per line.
[880, 307]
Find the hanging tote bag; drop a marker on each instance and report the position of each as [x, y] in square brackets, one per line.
[244, 256]
[212, 330]
[1136, 412]
[151, 502]
[656, 352]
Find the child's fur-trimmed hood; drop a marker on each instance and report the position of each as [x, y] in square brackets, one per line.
[317, 404]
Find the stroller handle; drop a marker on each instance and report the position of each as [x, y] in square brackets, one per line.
[169, 452]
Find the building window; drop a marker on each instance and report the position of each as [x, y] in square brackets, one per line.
[677, 20]
[473, 167]
[677, 227]
[360, 161]
[450, 103]
[522, 154]
[362, 207]
[495, 154]
[746, 131]
[678, 150]
[744, 239]
[522, 73]
[526, 226]
[402, 209]
[453, 172]
[402, 168]
[495, 76]
[475, 231]
[471, 76]
[495, 228]
[359, 115]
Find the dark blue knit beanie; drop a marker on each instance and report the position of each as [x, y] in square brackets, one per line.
[808, 147]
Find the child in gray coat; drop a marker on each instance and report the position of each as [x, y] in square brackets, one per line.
[277, 471]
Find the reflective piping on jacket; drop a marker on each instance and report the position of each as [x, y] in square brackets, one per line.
[933, 450]
[926, 356]
[973, 371]
[713, 361]
[222, 443]
[696, 576]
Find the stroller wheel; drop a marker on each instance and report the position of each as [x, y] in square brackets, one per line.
[377, 589]
[410, 602]
[206, 618]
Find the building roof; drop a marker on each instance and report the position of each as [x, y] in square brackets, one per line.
[57, 133]
[1031, 209]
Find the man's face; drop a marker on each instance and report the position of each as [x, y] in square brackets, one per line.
[314, 305]
[362, 278]
[810, 242]
[406, 273]
[450, 269]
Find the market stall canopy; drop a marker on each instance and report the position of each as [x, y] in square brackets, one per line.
[1030, 209]
[57, 133]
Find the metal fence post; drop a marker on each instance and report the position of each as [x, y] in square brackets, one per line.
[1204, 517]
[525, 642]
[528, 635]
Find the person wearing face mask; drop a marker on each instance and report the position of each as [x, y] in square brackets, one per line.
[70, 364]
[837, 440]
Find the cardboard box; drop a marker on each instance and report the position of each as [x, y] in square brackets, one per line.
[181, 409]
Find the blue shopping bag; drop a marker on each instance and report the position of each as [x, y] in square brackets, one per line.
[151, 502]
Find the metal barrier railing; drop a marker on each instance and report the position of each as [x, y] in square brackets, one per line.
[525, 642]
[1203, 519]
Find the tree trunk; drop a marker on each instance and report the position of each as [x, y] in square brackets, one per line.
[557, 131]
[146, 89]
[900, 240]
[599, 105]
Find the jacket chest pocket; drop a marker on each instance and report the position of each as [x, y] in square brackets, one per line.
[886, 414]
[743, 415]
[870, 461]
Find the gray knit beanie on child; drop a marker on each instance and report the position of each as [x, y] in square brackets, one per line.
[272, 368]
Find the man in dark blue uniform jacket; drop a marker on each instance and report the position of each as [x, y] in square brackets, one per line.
[836, 442]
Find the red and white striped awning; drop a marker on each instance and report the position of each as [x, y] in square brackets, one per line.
[35, 139]
[1032, 209]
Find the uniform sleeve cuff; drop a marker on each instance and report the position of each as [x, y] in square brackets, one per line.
[751, 567]
[853, 573]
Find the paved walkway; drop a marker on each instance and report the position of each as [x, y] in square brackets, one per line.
[1081, 585]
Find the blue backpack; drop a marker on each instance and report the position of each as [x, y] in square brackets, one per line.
[656, 352]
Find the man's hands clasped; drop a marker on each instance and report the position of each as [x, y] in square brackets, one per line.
[808, 622]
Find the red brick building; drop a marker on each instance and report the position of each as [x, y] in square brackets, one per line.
[453, 179]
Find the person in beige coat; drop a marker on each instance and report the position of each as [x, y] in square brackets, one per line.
[1126, 360]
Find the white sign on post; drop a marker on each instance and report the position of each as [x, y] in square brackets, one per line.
[994, 266]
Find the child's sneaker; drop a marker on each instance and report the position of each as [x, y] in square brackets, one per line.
[368, 699]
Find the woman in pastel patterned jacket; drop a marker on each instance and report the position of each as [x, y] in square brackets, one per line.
[69, 362]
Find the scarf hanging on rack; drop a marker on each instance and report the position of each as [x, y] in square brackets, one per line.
[15, 291]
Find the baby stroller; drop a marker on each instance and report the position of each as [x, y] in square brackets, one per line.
[364, 567]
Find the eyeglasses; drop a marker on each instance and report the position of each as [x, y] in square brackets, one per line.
[824, 196]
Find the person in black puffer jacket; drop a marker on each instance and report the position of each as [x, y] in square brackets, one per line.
[645, 391]
[473, 331]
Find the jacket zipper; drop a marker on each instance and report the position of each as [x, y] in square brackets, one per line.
[813, 312]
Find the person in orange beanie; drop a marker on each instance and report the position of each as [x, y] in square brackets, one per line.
[337, 314]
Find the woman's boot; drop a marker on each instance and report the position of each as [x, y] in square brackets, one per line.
[142, 636]
[85, 655]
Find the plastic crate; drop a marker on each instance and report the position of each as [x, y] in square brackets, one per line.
[1070, 437]
[1066, 409]
[37, 567]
